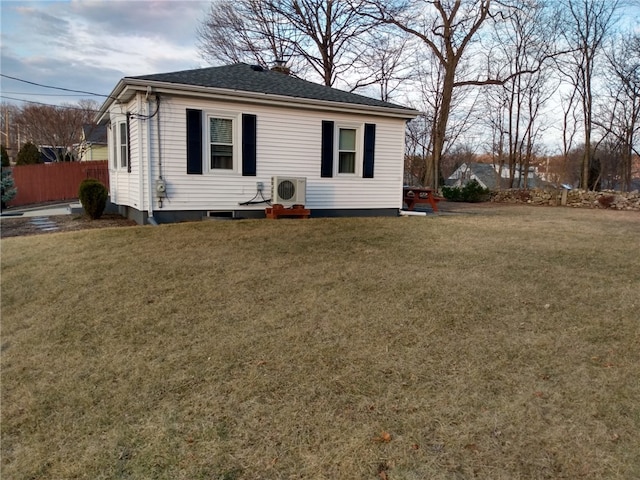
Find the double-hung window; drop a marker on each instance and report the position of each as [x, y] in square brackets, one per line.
[120, 137]
[123, 144]
[347, 150]
[221, 143]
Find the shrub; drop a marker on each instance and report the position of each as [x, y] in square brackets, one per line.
[7, 188]
[453, 194]
[93, 196]
[472, 192]
[28, 155]
[5, 156]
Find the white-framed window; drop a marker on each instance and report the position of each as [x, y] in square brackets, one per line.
[222, 143]
[349, 149]
[123, 145]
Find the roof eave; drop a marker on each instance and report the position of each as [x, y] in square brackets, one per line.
[132, 85]
[113, 96]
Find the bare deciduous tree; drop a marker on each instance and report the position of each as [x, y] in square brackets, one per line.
[385, 62]
[570, 124]
[447, 28]
[244, 31]
[59, 127]
[9, 128]
[322, 37]
[523, 43]
[586, 26]
[619, 114]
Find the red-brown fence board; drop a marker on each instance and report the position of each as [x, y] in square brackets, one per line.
[51, 182]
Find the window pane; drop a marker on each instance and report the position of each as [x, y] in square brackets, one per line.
[347, 162]
[222, 157]
[221, 130]
[347, 139]
[123, 133]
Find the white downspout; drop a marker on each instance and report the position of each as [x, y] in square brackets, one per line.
[140, 203]
[150, 219]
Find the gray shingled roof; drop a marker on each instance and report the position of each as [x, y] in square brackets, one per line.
[95, 133]
[487, 174]
[250, 78]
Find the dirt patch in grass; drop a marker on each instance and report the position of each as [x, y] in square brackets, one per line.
[502, 346]
[22, 226]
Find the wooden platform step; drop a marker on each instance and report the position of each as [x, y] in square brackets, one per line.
[279, 211]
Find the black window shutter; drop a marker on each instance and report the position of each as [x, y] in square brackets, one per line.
[249, 145]
[194, 141]
[326, 162]
[369, 149]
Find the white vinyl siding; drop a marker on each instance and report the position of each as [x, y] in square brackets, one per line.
[288, 143]
[124, 185]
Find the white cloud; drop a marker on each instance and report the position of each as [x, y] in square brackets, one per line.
[90, 45]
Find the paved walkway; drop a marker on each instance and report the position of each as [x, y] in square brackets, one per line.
[40, 211]
[45, 224]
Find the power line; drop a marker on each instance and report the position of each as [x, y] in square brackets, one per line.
[45, 94]
[50, 105]
[52, 87]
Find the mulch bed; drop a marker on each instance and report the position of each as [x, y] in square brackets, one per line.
[21, 226]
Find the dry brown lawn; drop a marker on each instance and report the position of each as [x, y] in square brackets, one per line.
[496, 345]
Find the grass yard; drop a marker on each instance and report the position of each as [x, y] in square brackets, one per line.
[501, 345]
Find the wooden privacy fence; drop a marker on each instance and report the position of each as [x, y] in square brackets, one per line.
[51, 182]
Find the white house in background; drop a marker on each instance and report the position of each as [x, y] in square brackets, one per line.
[492, 176]
[207, 142]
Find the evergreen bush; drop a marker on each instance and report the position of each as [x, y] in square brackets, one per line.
[472, 192]
[28, 155]
[93, 196]
[7, 188]
[5, 156]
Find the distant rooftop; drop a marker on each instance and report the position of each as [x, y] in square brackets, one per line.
[96, 134]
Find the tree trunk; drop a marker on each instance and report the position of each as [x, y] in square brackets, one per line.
[432, 176]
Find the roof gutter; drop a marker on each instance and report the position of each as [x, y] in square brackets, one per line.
[251, 97]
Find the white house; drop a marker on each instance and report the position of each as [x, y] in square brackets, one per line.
[208, 142]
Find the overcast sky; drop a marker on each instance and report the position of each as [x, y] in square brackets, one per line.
[90, 45]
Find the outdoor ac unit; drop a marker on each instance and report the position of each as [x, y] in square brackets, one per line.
[288, 191]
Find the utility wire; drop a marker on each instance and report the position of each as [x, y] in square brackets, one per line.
[55, 88]
[45, 94]
[50, 105]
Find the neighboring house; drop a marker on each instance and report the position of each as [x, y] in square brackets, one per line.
[93, 146]
[50, 154]
[207, 142]
[492, 176]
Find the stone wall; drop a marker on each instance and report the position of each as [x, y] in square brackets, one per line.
[570, 198]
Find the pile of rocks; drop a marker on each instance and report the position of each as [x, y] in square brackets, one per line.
[570, 198]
